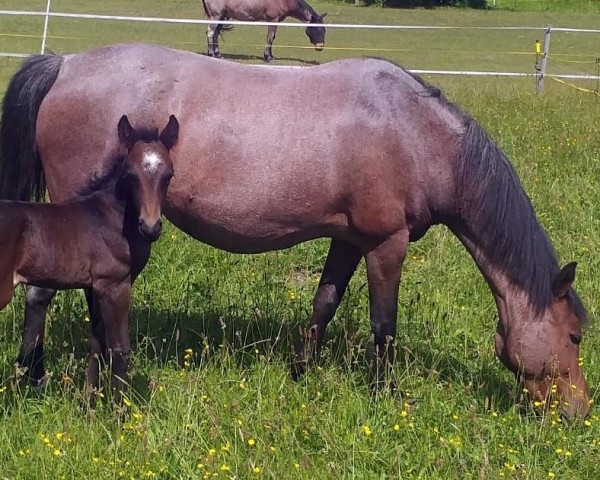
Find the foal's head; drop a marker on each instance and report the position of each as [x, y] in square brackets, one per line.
[316, 35]
[147, 171]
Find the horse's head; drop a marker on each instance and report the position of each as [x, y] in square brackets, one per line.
[316, 35]
[147, 171]
[544, 352]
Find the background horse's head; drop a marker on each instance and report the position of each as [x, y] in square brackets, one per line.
[545, 352]
[316, 35]
[147, 171]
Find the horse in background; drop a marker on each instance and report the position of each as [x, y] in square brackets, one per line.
[265, 11]
[99, 241]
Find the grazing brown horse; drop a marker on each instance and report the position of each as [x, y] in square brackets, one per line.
[99, 241]
[357, 150]
[261, 10]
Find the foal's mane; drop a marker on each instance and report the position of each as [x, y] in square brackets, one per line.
[494, 208]
[110, 177]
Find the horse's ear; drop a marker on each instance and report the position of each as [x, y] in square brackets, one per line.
[321, 17]
[170, 134]
[127, 135]
[564, 280]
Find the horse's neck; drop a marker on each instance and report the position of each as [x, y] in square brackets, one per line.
[512, 300]
[494, 219]
[301, 10]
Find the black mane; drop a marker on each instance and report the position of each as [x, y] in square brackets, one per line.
[496, 211]
[494, 206]
[103, 181]
[109, 179]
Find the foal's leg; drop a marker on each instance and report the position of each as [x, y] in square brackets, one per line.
[31, 355]
[113, 302]
[384, 265]
[342, 260]
[268, 54]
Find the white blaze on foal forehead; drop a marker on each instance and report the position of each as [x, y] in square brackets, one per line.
[151, 161]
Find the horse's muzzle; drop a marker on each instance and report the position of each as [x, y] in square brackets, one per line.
[319, 46]
[152, 233]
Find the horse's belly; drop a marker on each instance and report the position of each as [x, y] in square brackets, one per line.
[245, 231]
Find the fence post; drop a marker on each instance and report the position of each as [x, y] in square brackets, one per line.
[43, 49]
[542, 68]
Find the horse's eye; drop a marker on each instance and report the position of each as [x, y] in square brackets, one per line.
[576, 339]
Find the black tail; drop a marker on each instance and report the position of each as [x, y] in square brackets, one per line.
[21, 174]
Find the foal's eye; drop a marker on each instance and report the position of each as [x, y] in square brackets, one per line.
[576, 339]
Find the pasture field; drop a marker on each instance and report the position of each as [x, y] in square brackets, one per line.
[213, 332]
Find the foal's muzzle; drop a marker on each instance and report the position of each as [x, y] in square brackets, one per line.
[150, 233]
[319, 46]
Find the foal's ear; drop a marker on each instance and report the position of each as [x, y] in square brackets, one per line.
[127, 135]
[169, 135]
[321, 17]
[564, 280]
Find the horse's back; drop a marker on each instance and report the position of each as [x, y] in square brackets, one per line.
[261, 149]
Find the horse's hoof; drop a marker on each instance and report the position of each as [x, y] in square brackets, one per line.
[297, 369]
[269, 59]
[39, 385]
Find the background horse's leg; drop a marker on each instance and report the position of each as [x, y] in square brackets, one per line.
[384, 266]
[342, 260]
[31, 355]
[212, 36]
[268, 54]
[113, 307]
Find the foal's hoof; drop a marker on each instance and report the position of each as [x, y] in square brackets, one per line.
[269, 59]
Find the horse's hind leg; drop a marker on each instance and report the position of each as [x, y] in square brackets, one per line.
[268, 53]
[384, 265]
[31, 356]
[212, 34]
[342, 260]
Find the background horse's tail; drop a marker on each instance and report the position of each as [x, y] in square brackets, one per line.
[21, 174]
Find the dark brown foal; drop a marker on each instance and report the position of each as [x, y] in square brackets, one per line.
[99, 241]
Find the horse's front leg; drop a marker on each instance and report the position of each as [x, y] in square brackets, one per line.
[384, 265]
[342, 260]
[212, 37]
[271, 32]
[113, 300]
[31, 356]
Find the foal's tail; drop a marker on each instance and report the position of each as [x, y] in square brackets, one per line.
[21, 174]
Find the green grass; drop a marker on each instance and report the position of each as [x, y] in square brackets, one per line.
[233, 408]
